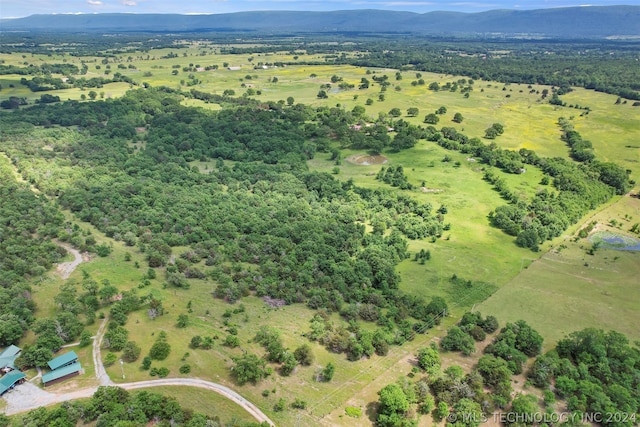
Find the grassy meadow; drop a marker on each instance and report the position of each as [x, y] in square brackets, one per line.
[568, 289]
[557, 290]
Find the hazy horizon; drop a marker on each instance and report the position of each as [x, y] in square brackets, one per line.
[20, 8]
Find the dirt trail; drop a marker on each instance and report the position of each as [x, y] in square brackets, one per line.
[66, 268]
[101, 373]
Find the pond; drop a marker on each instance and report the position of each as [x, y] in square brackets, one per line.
[608, 240]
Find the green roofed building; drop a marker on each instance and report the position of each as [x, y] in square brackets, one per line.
[61, 374]
[9, 381]
[63, 360]
[8, 357]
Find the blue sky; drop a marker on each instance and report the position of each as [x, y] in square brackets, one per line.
[20, 8]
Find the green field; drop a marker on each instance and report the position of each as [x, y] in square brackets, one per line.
[567, 289]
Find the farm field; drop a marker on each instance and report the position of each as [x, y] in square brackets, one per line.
[559, 289]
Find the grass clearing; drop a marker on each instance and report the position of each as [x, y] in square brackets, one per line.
[568, 290]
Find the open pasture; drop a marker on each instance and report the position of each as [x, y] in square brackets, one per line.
[529, 120]
[568, 289]
[472, 248]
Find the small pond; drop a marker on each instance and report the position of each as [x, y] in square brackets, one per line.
[608, 240]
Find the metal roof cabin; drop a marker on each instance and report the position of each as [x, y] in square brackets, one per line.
[63, 360]
[8, 358]
[61, 374]
[9, 381]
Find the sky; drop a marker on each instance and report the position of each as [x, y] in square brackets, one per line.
[21, 8]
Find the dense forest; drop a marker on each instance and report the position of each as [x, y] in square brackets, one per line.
[261, 221]
[26, 250]
[597, 372]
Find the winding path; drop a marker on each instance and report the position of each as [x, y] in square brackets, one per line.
[28, 396]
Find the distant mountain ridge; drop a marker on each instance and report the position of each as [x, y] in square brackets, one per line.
[569, 22]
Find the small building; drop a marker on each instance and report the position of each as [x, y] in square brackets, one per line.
[63, 360]
[10, 380]
[234, 68]
[61, 374]
[8, 358]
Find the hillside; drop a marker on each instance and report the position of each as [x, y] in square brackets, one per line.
[571, 22]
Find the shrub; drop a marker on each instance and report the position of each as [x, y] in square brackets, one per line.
[146, 363]
[353, 412]
[185, 369]
[299, 404]
[280, 405]
[231, 341]
[160, 349]
[110, 359]
[131, 351]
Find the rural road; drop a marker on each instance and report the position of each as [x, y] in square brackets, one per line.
[29, 396]
[66, 268]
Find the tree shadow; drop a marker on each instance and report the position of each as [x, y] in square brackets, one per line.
[372, 411]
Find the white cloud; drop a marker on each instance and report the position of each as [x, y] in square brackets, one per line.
[129, 2]
[95, 2]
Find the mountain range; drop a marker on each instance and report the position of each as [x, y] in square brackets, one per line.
[569, 22]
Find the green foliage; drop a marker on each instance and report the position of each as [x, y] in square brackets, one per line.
[326, 374]
[457, 340]
[160, 372]
[231, 341]
[131, 352]
[304, 355]
[494, 131]
[441, 411]
[394, 176]
[196, 341]
[249, 368]
[161, 348]
[515, 343]
[431, 119]
[116, 337]
[146, 363]
[110, 359]
[85, 338]
[26, 249]
[429, 359]
[353, 412]
[299, 404]
[595, 371]
[393, 404]
[185, 369]
[183, 321]
[280, 405]
[467, 412]
[524, 409]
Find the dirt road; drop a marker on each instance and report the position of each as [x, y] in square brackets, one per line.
[66, 268]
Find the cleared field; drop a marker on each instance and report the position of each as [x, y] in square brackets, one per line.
[463, 250]
[567, 289]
